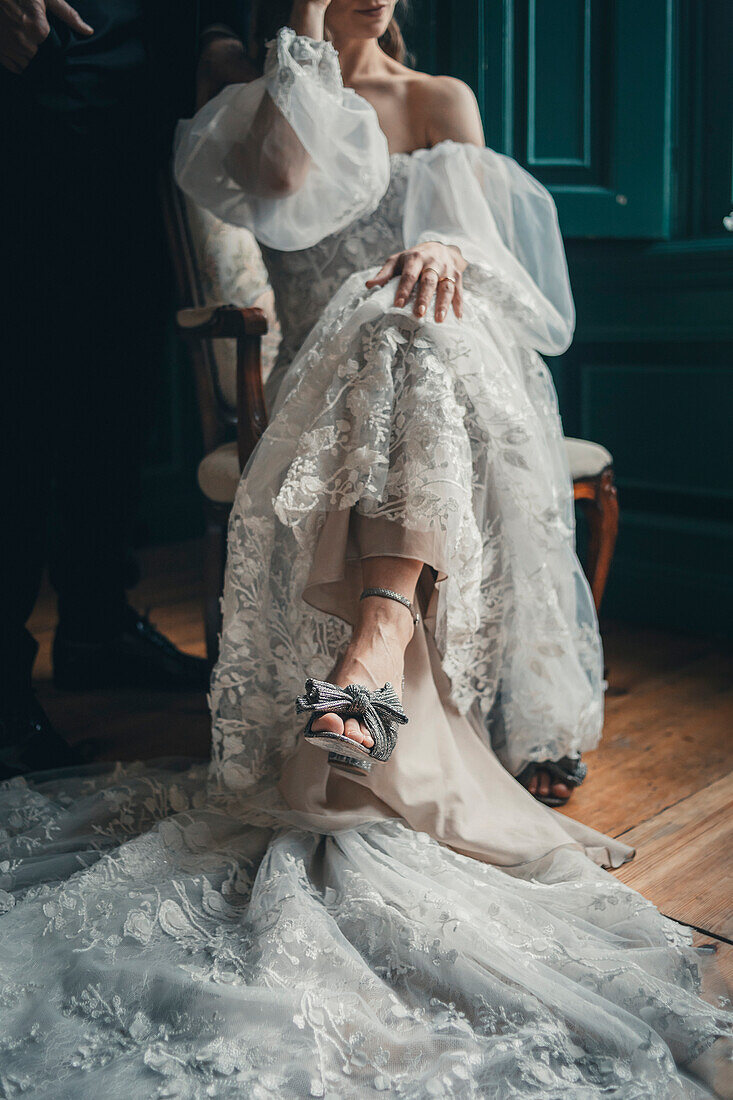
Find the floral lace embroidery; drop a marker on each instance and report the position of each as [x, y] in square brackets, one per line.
[456, 434]
[222, 954]
[166, 932]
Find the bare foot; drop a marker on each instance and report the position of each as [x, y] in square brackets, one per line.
[373, 657]
[541, 786]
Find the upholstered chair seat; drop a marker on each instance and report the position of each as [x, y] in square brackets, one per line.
[227, 270]
[586, 459]
[219, 471]
[219, 474]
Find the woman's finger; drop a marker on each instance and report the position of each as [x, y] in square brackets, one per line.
[412, 265]
[385, 273]
[458, 296]
[444, 297]
[428, 283]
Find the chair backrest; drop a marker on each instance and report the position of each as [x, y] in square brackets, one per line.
[216, 264]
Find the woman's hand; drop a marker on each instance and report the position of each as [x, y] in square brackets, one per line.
[437, 271]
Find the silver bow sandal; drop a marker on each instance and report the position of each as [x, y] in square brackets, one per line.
[378, 710]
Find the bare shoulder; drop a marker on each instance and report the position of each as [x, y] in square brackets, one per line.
[449, 92]
[449, 109]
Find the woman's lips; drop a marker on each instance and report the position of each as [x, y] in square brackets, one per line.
[372, 13]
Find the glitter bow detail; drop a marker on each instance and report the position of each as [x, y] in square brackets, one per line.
[379, 710]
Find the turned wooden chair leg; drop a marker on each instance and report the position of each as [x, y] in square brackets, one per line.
[215, 549]
[601, 512]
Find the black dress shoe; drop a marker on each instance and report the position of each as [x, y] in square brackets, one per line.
[140, 656]
[28, 741]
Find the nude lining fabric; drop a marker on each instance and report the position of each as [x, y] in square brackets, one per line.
[443, 777]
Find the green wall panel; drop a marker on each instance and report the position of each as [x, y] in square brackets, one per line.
[705, 161]
[559, 125]
[668, 427]
[673, 573]
[581, 92]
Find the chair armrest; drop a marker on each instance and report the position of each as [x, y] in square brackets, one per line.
[247, 327]
[211, 322]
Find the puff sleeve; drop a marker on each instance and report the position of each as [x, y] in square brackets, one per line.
[347, 157]
[503, 221]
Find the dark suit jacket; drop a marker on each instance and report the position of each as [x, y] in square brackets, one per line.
[131, 80]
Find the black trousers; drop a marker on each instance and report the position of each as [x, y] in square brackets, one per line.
[82, 316]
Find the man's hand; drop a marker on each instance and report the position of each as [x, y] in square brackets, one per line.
[24, 26]
[223, 61]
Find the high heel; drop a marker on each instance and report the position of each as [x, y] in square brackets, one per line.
[570, 770]
[380, 711]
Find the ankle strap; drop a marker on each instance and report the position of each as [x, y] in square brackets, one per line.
[390, 594]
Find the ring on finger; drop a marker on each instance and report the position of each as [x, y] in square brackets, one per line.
[445, 278]
[426, 269]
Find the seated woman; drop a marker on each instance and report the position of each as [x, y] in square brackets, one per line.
[415, 434]
[297, 922]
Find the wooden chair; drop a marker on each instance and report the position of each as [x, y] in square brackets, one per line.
[226, 353]
[594, 488]
[226, 339]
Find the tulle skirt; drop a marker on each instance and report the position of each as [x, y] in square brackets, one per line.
[161, 937]
[391, 435]
[270, 928]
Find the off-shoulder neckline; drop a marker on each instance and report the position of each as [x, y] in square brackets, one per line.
[445, 143]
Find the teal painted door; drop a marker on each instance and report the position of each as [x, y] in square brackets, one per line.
[623, 108]
[580, 92]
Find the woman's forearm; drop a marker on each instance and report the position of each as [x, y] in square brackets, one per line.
[271, 160]
[308, 17]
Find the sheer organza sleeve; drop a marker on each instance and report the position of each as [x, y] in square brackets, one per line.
[505, 222]
[335, 131]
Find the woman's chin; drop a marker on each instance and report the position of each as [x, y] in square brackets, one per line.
[362, 25]
[366, 32]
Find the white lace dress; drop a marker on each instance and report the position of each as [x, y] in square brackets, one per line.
[393, 435]
[268, 927]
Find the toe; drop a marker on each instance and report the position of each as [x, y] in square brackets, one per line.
[532, 785]
[354, 730]
[561, 790]
[328, 723]
[543, 787]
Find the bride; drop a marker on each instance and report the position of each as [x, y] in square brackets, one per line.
[356, 896]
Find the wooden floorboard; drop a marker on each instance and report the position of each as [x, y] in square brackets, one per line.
[665, 739]
[683, 859]
[634, 655]
[133, 725]
[658, 778]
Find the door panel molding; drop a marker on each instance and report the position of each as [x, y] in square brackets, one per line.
[608, 160]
